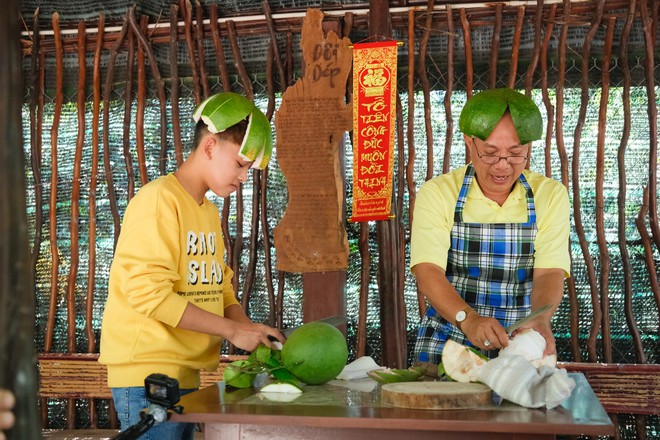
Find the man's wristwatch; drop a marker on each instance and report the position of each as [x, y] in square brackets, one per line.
[461, 316]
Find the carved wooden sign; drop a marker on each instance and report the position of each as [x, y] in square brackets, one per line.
[310, 125]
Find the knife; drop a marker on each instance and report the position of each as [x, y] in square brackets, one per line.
[336, 320]
[526, 319]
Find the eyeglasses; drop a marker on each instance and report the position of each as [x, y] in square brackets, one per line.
[491, 159]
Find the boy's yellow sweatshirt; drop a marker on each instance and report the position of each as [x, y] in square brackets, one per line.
[170, 252]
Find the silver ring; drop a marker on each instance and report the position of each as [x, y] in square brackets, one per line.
[487, 343]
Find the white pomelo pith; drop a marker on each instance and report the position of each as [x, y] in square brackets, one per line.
[281, 387]
[461, 363]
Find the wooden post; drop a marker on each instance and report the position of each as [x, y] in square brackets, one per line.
[17, 354]
[324, 293]
[394, 346]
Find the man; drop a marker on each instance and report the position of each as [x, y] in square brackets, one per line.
[490, 239]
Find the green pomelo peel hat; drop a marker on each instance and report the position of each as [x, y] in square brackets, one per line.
[484, 110]
[223, 110]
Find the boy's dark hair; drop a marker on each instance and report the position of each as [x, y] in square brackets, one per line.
[234, 134]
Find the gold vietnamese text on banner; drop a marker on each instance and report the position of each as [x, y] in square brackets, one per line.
[374, 116]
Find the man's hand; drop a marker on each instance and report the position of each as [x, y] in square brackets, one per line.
[485, 333]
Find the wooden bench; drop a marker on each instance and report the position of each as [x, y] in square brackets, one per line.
[622, 388]
[80, 376]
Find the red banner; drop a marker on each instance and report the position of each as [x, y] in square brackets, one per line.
[374, 116]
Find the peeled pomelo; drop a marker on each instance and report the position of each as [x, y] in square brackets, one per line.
[461, 363]
[315, 353]
[484, 110]
[529, 344]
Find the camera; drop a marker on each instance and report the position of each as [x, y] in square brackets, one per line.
[163, 390]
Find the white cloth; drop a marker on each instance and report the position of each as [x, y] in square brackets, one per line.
[358, 369]
[518, 381]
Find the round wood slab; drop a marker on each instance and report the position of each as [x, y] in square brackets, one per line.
[435, 395]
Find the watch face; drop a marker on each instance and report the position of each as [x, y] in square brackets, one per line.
[460, 316]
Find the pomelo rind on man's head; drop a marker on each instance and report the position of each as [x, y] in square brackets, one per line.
[315, 353]
[484, 110]
[257, 144]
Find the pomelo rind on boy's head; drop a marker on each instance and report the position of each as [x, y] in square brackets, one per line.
[225, 109]
[484, 110]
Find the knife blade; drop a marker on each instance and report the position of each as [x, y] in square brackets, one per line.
[336, 320]
[526, 319]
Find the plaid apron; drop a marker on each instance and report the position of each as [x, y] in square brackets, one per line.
[491, 266]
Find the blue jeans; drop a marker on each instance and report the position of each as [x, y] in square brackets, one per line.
[128, 404]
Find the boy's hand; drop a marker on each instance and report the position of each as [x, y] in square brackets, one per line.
[248, 336]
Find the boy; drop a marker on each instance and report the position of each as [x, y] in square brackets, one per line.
[170, 296]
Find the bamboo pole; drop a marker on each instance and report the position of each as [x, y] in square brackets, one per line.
[516, 47]
[621, 198]
[536, 52]
[75, 194]
[600, 199]
[219, 50]
[247, 85]
[252, 246]
[226, 86]
[467, 41]
[174, 84]
[160, 85]
[263, 199]
[199, 36]
[564, 167]
[365, 278]
[577, 211]
[410, 166]
[495, 47]
[273, 41]
[449, 120]
[649, 25]
[289, 57]
[469, 66]
[140, 108]
[186, 11]
[93, 181]
[549, 108]
[426, 88]
[36, 110]
[398, 207]
[106, 129]
[91, 237]
[128, 104]
[238, 60]
[52, 207]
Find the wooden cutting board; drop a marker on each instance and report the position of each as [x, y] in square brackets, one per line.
[435, 395]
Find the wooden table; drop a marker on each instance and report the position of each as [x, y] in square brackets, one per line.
[345, 410]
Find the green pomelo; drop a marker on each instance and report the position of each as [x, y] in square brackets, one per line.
[315, 353]
[484, 110]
